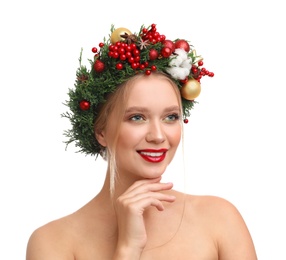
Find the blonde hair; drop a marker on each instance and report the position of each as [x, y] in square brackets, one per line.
[116, 103]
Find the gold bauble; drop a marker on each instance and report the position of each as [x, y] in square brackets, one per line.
[191, 89]
[116, 34]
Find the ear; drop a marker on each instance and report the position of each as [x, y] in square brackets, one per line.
[100, 136]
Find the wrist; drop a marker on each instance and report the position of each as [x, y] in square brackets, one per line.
[127, 253]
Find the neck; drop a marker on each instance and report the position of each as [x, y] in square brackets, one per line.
[121, 184]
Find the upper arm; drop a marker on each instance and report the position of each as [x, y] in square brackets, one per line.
[234, 239]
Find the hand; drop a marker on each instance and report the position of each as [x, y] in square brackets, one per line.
[130, 206]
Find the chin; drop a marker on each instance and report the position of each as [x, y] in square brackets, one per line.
[154, 172]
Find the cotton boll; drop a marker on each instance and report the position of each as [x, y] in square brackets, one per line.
[184, 72]
[182, 53]
[177, 61]
[178, 72]
[187, 64]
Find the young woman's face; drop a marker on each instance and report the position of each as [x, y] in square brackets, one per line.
[150, 131]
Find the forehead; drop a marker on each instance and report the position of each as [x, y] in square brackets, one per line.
[152, 89]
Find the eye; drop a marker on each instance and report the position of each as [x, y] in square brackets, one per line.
[172, 117]
[136, 117]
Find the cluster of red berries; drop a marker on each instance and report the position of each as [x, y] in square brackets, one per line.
[152, 35]
[200, 72]
[124, 52]
[130, 52]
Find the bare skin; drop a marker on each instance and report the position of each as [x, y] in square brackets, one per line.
[211, 228]
[145, 218]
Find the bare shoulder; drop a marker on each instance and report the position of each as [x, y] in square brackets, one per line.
[51, 241]
[216, 207]
[214, 211]
[224, 223]
[80, 235]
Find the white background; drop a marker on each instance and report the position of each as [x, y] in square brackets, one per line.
[234, 142]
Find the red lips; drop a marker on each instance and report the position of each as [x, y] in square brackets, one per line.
[152, 155]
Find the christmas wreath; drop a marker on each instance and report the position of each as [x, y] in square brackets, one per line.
[117, 59]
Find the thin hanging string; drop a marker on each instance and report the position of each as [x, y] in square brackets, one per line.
[184, 202]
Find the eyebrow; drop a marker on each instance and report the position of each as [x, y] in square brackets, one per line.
[144, 109]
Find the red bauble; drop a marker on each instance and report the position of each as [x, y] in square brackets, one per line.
[98, 66]
[153, 54]
[166, 52]
[186, 121]
[169, 44]
[84, 105]
[182, 44]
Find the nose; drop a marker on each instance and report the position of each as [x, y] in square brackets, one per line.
[155, 133]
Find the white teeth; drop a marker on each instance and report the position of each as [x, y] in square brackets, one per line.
[152, 154]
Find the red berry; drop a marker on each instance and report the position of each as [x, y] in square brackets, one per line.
[134, 65]
[147, 72]
[123, 57]
[186, 121]
[101, 44]
[184, 81]
[119, 66]
[94, 49]
[194, 70]
[115, 54]
[200, 63]
[136, 52]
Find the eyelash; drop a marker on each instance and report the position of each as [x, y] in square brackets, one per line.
[171, 117]
[132, 118]
[174, 116]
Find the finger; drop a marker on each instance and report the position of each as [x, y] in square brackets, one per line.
[140, 204]
[141, 201]
[143, 182]
[147, 187]
[155, 195]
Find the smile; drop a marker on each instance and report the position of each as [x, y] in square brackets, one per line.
[154, 156]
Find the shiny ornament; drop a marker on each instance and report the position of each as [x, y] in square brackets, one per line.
[116, 34]
[169, 44]
[166, 52]
[153, 54]
[98, 66]
[84, 105]
[191, 89]
[182, 44]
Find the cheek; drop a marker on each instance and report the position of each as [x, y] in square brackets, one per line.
[175, 135]
[129, 136]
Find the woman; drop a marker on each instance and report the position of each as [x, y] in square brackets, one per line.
[132, 116]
